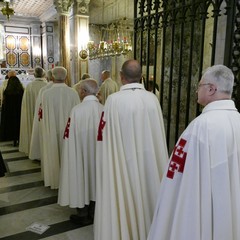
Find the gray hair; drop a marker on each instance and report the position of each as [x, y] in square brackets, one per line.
[220, 75]
[89, 85]
[39, 72]
[59, 73]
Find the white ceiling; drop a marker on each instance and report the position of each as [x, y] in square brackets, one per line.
[28, 8]
[31, 8]
[40, 8]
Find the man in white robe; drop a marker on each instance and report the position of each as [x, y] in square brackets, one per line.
[57, 103]
[199, 196]
[131, 156]
[77, 187]
[28, 108]
[108, 86]
[36, 144]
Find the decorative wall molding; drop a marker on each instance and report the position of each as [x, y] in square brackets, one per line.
[63, 6]
[81, 7]
[49, 43]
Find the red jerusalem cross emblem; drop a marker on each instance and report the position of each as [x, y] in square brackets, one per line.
[100, 128]
[40, 112]
[178, 159]
[66, 132]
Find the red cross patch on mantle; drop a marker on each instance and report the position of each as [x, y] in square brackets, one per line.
[66, 132]
[178, 159]
[40, 112]
[100, 128]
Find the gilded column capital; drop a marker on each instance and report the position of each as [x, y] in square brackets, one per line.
[63, 6]
[81, 6]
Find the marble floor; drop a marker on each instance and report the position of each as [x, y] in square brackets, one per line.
[25, 201]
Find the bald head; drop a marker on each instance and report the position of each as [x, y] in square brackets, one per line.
[131, 72]
[11, 73]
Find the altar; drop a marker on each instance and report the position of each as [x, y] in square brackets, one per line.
[24, 75]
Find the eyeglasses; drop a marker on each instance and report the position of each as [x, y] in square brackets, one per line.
[202, 84]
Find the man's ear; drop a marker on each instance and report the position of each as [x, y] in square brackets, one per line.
[121, 75]
[212, 89]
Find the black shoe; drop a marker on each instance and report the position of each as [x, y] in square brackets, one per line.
[91, 210]
[81, 220]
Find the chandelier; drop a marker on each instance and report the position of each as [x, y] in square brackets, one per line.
[7, 11]
[115, 40]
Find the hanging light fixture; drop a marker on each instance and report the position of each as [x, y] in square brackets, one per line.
[115, 40]
[7, 11]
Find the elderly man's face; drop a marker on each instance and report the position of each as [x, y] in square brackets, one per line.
[205, 91]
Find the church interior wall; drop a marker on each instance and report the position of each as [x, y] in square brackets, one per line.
[48, 55]
[106, 15]
[112, 11]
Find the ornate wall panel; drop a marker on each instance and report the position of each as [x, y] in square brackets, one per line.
[18, 52]
[24, 59]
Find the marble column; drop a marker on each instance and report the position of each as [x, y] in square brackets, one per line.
[48, 46]
[63, 9]
[79, 25]
[36, 45]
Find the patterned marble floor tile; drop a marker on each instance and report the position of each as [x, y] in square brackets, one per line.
[24, 200]
[22, 165]
[10, 155]
[18, 180]
[84, 233]
[18, 222]
[26, 195]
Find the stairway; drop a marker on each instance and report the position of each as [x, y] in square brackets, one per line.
[24, 200]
